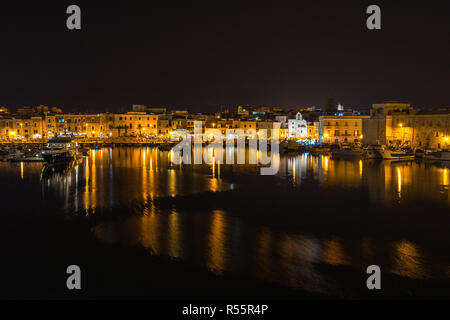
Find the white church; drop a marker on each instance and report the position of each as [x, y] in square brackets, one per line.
[297, 128]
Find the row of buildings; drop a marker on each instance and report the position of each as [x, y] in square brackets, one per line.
[389, 123]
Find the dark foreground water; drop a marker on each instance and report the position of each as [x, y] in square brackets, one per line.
[312, 226]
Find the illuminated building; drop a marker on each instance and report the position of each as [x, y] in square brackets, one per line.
[297, 128]
[395, 124]
[341, 129]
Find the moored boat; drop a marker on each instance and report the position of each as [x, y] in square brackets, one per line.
[373, 152]
[437, 155]
[347, 152]
[320, 150]
[398, 154]
[59, 150]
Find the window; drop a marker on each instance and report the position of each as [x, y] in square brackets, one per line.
[336, 133]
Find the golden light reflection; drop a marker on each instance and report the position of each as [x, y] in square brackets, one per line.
[87, 194]
[334, 252]
[325, 166]
[360, 168]
[21, 170]
[174, 249]
[264, 257]
[408, 261]
[151, 232]
[293, 171]
[287, 262]
[399, 182]
[216, 239]
[445, 177]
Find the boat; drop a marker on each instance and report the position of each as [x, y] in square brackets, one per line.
[15, 154]
[373, 152]
[59, 150]
[397, 154]
[320, 150]
[290, 146]
[437, 155]
[166, 146]
[84, 152]
[347, 151]
[30, 157]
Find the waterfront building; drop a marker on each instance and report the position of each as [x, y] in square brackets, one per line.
[399, 124]
[341, 129]
[134, 124]
[313, 131]
[21, 128]
[297, 128]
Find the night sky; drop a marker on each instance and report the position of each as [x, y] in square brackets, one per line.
[203, 57]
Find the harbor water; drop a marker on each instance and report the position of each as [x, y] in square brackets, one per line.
[316, 219]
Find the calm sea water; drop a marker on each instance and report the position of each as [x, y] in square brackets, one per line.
[224, 241]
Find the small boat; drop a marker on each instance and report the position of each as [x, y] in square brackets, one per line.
[33, 157]
[84, 151]
[347, 152]
[320, 150]
[397, 154]
[290, 146]
[59, 150]
[373, 152]
[437, 155]
[166, 146]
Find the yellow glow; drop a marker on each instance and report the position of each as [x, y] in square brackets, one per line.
[399, 174]
[446, 139]
[326, 136]
[217, 237]
[334, 252]
[407, 258]
[12, 133]
[401, 124]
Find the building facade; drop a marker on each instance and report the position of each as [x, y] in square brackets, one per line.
[341, 129]
[297, 128]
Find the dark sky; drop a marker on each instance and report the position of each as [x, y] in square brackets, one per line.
[202, 57]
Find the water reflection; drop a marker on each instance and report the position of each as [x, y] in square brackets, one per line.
[388, 182]
[222, 242]
[408, 261]
[289, 259]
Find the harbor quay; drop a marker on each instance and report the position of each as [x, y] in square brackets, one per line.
[393, 125]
